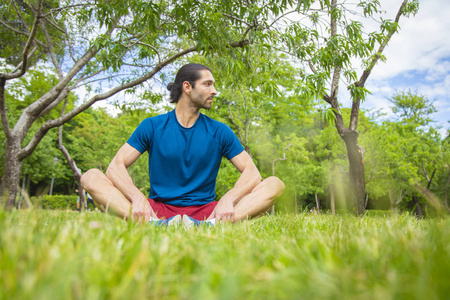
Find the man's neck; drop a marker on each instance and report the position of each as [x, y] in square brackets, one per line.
[186, 115]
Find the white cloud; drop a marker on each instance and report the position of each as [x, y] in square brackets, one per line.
[418, 59]
[421, 43]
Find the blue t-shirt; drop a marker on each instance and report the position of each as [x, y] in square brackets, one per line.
[184, 162]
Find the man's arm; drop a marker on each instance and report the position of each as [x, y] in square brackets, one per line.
[118, 174]
[249, 179]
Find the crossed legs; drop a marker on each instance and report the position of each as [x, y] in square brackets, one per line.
[260, 200]
[110, 199]
[105, 194]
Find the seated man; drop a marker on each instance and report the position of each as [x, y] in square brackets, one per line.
[185, 149]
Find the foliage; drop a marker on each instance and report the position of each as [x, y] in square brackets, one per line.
[14, 30]
[265, 97]
[412, 108]
[20, 94]
[104, 48]
[329, 44]
[406, 156]
[57, 202]
[64, 255]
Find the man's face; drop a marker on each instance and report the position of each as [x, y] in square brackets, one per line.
[204, 91]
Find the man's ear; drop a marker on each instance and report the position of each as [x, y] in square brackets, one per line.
[187, 87]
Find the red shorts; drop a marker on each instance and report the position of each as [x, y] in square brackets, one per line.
[198, 212]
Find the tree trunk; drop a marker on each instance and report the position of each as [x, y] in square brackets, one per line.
[317, 202]
[11, 175]
[418, 210]
[445, 191]
[73, 166]
[357, 183]
[332, 204]
[367, 201]
[22, 192]
[295, 199]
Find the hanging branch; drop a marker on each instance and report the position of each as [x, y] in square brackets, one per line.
[76, 171]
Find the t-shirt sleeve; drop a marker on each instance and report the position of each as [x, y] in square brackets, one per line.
[142, 137]
[231, 146]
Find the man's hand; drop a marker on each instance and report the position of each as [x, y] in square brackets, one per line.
[224, 210]
[141, 211]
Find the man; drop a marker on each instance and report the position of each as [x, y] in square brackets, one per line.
[88, 201]
[185, 148]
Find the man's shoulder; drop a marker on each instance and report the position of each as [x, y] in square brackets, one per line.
[157, 118]
[214, 124]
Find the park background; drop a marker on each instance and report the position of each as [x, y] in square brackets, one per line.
[267, 99]
[301, 83]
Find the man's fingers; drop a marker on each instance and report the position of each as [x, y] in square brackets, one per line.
[226, 217]
[138, 216]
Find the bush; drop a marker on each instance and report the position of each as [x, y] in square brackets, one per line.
[58, 202]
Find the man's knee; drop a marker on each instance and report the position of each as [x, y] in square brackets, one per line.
[275, 185]
[89, 178]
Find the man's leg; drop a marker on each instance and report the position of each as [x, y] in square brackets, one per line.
[105, 194]
[260, 200]
[92, 202]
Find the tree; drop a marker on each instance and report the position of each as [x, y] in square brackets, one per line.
[420, 143]
[446, 166]
[106, 47]
[327, 50]
[405, 156]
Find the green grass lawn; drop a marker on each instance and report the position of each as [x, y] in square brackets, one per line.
[68, 255]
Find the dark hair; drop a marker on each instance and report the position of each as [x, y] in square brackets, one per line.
[189, 73]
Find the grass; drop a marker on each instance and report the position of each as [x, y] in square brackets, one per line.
[67, 255]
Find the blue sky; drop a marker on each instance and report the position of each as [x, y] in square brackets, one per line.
[418, 59]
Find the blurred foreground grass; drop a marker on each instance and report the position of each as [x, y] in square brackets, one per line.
[67, 255]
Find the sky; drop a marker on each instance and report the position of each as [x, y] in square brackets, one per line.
[418, 59]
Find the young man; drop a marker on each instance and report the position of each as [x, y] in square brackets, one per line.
[185, 149]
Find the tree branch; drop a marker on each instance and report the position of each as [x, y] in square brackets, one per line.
[29, 148]
[40, 105]
[69, 44]
[425, 172]
[431, 179]
[383, 45]
[53, 10]
[402, 196]
[234, 122]
[27, 46]
[29, 57]
[280, 17]
[153, 48]
[52, 52]
[54, 25]
[279, 159]
[86, 77]
[55, 102]
[362, 80]
[25, 25]
[76, 171]
[355, 114]
[337, 70]
[235, 18]
[445, 191]
[3, 115]
[13, 29]
[21, 33]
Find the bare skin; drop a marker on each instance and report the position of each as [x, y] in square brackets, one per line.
[249, 198]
